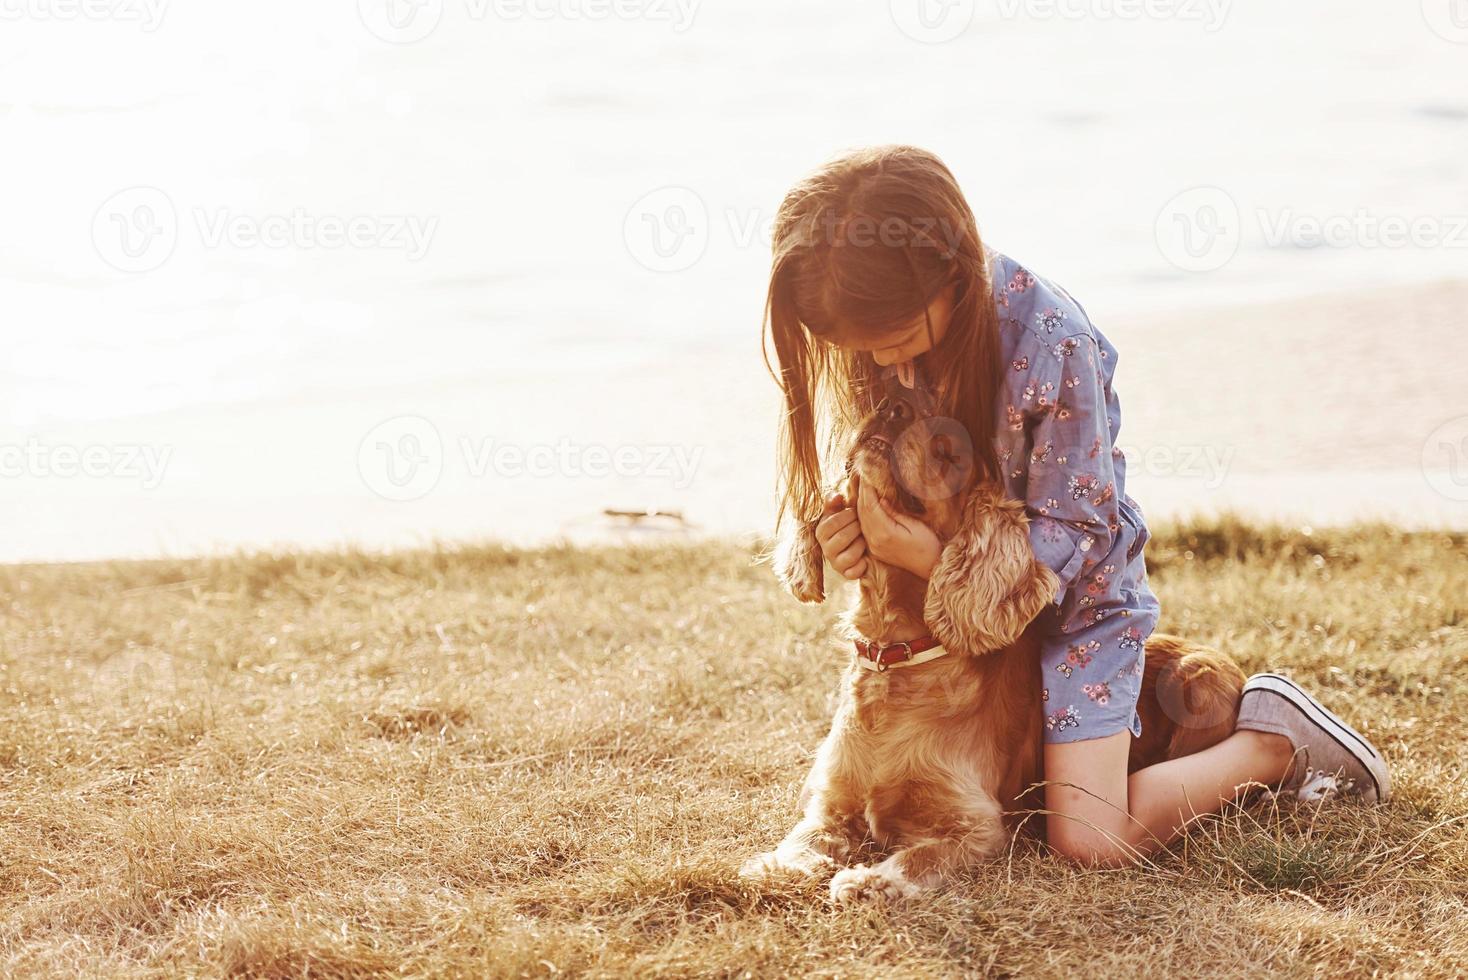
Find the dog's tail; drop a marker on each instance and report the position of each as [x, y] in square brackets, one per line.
[1189, 700]
[1200, 694]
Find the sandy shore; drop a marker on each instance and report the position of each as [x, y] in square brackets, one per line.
[1322, 410]
[1316, 410]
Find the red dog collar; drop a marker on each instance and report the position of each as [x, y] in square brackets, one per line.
[875, 656]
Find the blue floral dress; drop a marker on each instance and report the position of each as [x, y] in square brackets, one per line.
[1058, 423]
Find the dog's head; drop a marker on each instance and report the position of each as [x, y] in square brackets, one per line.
[920, 463]
[987, 586]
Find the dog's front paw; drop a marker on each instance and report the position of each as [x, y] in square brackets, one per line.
[883, 883]
[774, 864]
[800, 564]
[761, 867]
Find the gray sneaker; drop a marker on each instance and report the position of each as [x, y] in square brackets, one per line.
[1331, 757]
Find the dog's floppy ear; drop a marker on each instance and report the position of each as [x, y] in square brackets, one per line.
[987, 586]
[799, 564]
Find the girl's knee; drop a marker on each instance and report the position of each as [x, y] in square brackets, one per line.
[1090, 848]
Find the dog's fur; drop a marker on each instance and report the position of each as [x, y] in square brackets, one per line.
[927, 763]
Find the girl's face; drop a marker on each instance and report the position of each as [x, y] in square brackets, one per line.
[910, 339]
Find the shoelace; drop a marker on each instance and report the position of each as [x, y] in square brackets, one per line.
[1322, 786]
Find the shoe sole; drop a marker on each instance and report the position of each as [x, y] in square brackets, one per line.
[1350, 740]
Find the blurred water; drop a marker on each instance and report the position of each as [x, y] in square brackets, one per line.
[533, 305]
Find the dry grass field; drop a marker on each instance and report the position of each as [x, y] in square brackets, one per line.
[510, 763]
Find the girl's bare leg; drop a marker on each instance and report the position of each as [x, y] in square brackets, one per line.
[1112, 818]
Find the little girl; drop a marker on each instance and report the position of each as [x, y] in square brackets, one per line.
[878, 265]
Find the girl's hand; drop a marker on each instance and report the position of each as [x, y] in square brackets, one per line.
[839, 535]
[896, 538]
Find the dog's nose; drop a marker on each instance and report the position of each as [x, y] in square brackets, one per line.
[899, 410]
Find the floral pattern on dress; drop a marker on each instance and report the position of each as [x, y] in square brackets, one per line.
[1051, 531]
[1081, 653]
[1058, 447]
[1052, 319]
[1066, 717]
[1081, 485]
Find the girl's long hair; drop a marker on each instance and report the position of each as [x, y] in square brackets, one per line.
[862, 246]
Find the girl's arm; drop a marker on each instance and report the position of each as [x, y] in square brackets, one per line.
[1069, 476]
[1066, 478]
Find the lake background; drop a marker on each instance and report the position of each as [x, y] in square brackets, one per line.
[385, 274]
